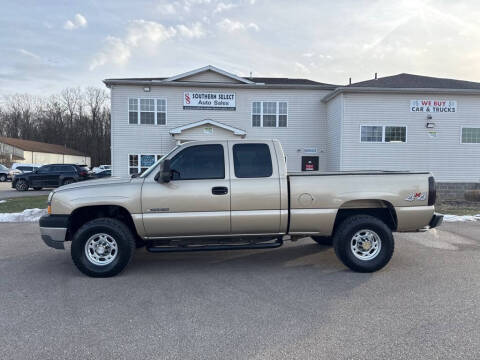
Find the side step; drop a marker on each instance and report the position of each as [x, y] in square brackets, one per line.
[264, 245]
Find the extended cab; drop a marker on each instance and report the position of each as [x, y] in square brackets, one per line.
[217, 195]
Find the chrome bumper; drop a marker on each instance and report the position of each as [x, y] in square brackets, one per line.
[54, 237]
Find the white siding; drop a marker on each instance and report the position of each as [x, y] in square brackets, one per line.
[307, 121]
[42, 158]
[334, 128]
[445, 156]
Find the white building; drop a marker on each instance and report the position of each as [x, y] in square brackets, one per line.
[35, 152]
[401, 122]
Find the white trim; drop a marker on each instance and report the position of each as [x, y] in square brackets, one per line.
[209, 68]
[155, 99]
[461, 134]
[236, 131]
[383, 134]
[277, 114]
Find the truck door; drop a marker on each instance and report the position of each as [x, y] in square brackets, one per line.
[255, 188]
[196, 202]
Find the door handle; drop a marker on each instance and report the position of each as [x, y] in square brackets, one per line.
[219, 190]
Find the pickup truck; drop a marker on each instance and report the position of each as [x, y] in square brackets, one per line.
[222, 195]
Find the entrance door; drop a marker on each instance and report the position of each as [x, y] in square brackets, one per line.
[196, 202]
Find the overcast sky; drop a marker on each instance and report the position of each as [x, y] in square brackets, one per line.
[48, 45]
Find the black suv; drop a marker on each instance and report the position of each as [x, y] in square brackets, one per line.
[50, 176]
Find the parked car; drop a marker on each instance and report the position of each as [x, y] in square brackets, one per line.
[103, 173]
[101, 168]
[3, 173]
[222, 195]
[20, 168]
[50, 176]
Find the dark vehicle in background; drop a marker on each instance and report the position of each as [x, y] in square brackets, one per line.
[103, 174]
[50, 176]
[3, 173]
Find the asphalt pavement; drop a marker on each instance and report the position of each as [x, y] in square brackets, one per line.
[294, 302]
[7, 192]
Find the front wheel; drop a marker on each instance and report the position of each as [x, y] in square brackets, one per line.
[364, 243]
[21, 185]
[102, 247]
[3, 177]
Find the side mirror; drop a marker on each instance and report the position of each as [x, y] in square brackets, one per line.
[165, 174]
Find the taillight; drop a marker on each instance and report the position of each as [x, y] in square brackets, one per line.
[432, 191]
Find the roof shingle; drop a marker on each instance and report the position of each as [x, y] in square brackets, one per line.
[410, 81]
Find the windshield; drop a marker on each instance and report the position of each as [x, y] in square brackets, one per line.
[151, 168]
[3, 167]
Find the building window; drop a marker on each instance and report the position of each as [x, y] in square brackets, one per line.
[383, 134]
[395, 134]
[371, 134]
[269, 114]
[133, 111]
[150, 111]
[138, 163]
[470, 135]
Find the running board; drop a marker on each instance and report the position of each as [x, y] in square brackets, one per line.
[157, 249]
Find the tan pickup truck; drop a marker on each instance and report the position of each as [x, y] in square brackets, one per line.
[219, 195]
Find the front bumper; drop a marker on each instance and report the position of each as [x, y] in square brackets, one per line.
[53, 229]
[437, 220]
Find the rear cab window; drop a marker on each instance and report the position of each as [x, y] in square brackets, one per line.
[252, 160]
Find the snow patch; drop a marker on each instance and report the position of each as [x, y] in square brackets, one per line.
[460, 218]
[28, 215]
[3, 201]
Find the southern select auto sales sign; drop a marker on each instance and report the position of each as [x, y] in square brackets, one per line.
[433, 106]
[208, 101]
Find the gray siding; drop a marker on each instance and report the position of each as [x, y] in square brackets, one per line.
[334, 129]
[445, 156]
[307, 121]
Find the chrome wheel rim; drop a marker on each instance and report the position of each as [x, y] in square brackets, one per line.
[366, 244]
[22, 185]
[101, 249]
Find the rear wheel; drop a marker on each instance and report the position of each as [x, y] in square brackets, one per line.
[68, 181]
[102, 247]
[3, 177]
[21, 185]
[364, 243]
[323, 240]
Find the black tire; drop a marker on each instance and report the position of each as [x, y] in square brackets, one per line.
[68, 181]
[112, 227]
[21, 185]
[323, 240]
[37, 188]
[3, 177]
[343, 240]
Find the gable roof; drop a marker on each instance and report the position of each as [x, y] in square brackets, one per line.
[235, 130]
[36, 146]
[412, 81]
[209, 68]
[242, 81]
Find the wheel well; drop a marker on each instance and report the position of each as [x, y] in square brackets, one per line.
[84, 214]
[380, 209]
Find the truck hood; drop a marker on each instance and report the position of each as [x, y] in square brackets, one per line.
[93, 183]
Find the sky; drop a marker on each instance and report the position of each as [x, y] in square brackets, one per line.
[47, 45]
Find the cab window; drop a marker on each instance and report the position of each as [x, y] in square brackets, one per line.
[252, 160]
[199, 162]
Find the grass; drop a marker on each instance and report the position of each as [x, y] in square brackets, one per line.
[19, 204]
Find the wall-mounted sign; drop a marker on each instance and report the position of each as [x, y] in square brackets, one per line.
[310, 150]
[433, 106]
[208, 130]
[208, 101]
